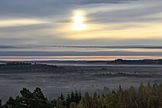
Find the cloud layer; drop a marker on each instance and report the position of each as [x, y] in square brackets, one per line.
[110, 22]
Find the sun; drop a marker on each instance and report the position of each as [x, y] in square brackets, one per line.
[78, 24]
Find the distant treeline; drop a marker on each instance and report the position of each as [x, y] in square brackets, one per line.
[146, 61]
[149, 96]
[117, 61]
[129, 62]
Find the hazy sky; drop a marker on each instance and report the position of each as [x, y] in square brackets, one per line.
[33, 24]
[109, 22]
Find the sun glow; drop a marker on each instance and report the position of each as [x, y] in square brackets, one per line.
[78, 24]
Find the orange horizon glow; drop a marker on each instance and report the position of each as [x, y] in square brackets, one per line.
[77, 58]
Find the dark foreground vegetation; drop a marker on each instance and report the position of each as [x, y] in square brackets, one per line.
[149, 96]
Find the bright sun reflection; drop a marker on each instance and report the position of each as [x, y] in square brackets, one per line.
[78, 24]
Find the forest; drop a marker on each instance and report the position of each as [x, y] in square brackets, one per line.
[145, 96]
